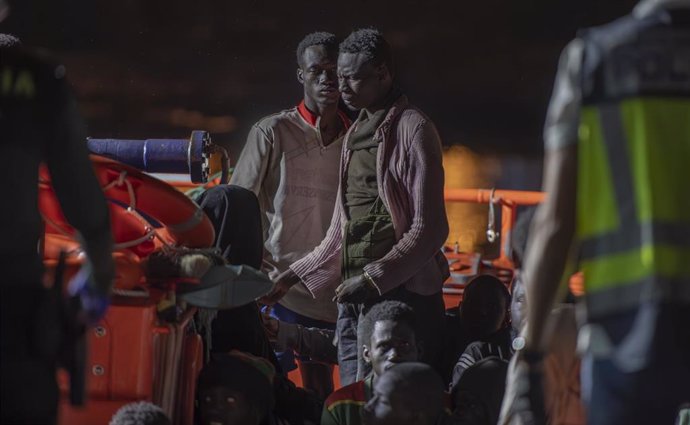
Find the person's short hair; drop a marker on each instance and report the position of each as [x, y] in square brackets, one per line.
[242, 372]
[370, 42]
[319, 38]
[140, 413]
[386, 310]
[9, 40]
[486, 281]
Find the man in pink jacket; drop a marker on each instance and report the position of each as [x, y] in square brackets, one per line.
[389, 222]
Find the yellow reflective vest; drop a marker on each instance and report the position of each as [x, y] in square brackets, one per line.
[633, 187]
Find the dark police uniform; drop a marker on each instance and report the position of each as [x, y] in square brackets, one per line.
[39, 122]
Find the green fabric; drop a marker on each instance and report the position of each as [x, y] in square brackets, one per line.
[368, 234]
[659, 167]
[364, 128]
[362, 134]
[657, 141]
[366, 239]
[597, 212]
[361, 188]
[631, 267]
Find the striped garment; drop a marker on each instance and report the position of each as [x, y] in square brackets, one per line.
[500, 347]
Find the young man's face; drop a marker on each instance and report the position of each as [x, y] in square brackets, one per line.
[362, 83]
[386, 406]
[391, 343]
[317, 73]
[222, 406]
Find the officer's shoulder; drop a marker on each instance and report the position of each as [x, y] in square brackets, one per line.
[269, 123]
[613, 30]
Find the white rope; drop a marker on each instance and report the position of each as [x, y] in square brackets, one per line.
[57, 227]
[122, 180]
[132, 208]
[147, 236]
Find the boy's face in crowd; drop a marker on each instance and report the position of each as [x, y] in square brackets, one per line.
[223, 406]
[387, 406]
[517, 302]
[362, 83]
[391, 343]
[484, 313]
[317, 73]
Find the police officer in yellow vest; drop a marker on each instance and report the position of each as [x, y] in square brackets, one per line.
[617, 173]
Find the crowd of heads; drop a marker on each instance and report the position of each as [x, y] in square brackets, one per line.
[238, 388]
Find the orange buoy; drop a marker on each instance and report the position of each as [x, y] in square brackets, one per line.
[185, 223]
[130, 230]
[182, 217]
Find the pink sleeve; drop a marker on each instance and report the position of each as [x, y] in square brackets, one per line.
[429, 225]
[320, 269]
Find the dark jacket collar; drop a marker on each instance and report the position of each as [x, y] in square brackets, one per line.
[398, 107]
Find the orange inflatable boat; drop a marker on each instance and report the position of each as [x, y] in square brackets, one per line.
[134, 353]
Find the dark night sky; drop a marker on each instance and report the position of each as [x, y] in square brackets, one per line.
[483, 71]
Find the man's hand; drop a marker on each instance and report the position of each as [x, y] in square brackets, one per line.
[271, 325]
[94, 301]
[283, 283]
[355, 290]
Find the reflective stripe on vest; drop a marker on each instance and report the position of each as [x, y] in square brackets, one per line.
[633, 202]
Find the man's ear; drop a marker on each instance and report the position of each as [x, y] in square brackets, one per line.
[300, 75]
[383, 72]
[365, 354]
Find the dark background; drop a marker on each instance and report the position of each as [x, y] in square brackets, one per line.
[482, 70]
